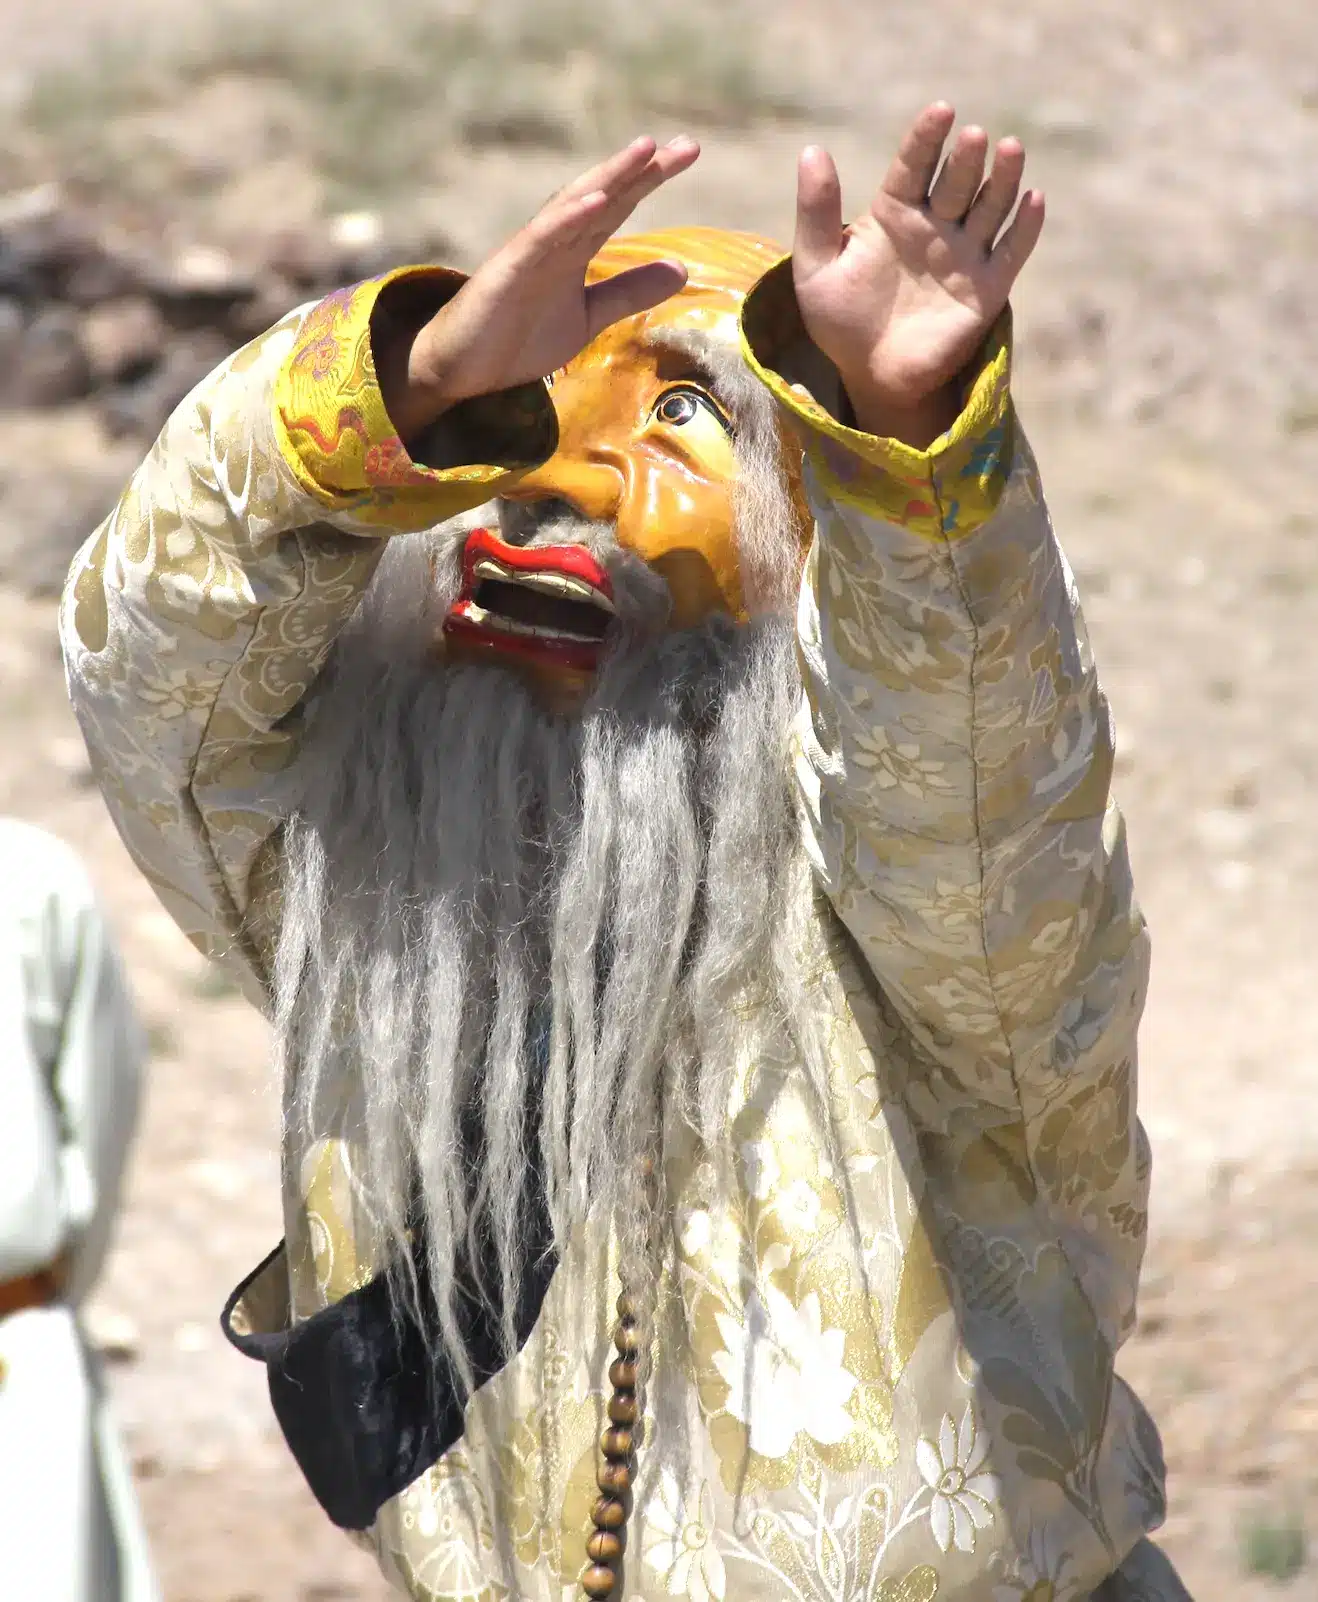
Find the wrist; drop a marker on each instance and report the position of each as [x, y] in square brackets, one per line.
[406, 369]
[916, 421]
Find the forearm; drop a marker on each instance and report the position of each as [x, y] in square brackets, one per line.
[917, 425]
[953, 730]
[956, 759]
[192, 622]
[197, 617]
[957, 723]
[411, 383]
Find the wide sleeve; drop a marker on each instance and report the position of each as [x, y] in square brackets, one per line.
[954, 754]
[197, 616]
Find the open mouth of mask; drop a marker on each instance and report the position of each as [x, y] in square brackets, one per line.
[553, 603]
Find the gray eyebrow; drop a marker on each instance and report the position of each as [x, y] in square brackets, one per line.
[720, 364]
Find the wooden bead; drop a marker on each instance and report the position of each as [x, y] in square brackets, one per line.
[622, 1374]
[622, 1407]
[609, 1513]
[617, 1443]
[598, 1581]
[627, 1307]
[614, 1478]
[605, 1546]
[626, 1337]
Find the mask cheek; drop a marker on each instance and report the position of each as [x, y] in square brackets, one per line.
[704, 448]
[689, 541]
[679, 519]
[698, 587]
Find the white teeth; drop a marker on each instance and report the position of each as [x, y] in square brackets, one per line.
[562, 585]
[507, 625]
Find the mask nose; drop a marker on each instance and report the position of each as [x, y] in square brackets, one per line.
[592, 487]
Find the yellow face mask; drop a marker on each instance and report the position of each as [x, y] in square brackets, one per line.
[644, 443]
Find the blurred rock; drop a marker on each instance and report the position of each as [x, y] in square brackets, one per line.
[301, 258]
[519, 128]
[200, 286]
[101, 275]
[139, 410]
[205, 271]
[51, 367]
[12, 325]
[274, 297]
[352, 246]
[124, 339]
[23, 205]
[21, 215]
[47, 254]
[50, 249]
[16, 280]
[360, 247]
[92, 305]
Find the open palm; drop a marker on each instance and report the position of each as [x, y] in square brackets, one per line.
[528, 310]
[901, 298]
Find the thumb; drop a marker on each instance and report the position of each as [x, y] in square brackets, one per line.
[630, 292]
[819, 231]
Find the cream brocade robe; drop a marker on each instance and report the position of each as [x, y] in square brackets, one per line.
[891, 1378]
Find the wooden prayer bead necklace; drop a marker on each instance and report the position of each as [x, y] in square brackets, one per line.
[618, 1471]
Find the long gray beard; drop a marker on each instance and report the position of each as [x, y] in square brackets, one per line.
[514, 941]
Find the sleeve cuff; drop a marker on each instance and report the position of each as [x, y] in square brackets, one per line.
[944, 492]
[339, 441]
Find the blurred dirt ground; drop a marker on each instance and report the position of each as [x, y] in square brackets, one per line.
[1168, 375]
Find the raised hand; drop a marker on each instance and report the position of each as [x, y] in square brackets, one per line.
[527, 310]
[901, 298]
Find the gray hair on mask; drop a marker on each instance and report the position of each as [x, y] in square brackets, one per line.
[514, 942]
[769, 536]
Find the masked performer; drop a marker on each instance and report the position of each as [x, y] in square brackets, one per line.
[69, 1068]
[628, 719]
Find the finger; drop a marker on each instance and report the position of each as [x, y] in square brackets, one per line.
[609, 173]
[958, 183]
[994, 202]
[632, 291]
[666, 163]
[562, 225]
[579, 224]
[819, 230]
[1016, 246]
[912, 171]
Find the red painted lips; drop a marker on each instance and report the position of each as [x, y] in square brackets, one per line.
[546, 603]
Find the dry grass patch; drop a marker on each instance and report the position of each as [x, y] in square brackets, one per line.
[373, 98]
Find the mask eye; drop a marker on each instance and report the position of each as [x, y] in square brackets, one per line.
[680, 405]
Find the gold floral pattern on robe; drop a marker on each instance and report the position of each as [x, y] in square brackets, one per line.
[886, 1374]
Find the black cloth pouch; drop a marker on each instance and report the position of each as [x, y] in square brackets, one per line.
[361, 1390]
